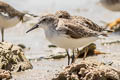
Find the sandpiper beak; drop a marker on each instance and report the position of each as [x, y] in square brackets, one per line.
[34, 27]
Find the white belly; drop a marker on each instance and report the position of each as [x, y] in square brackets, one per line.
[68, 43]
[72, 43]
[6, 22]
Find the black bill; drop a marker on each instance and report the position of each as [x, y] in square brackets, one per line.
[34, 27]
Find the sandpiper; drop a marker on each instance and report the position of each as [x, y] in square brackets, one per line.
[80, 21]
[113, 5]
[66, 33]
[9, 17]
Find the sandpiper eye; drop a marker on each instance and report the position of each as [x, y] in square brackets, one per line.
[60, 16]
[44, 20]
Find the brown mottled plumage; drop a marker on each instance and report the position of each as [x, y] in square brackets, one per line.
[75, 30]
[80, 20]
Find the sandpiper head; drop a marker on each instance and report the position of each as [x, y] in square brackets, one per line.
[46, 21]
[62, 14]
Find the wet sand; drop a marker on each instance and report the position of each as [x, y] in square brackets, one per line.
[46, 69]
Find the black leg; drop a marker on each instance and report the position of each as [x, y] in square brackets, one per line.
[73, 57]
[68, 56]
[85, 54]
[2, 33]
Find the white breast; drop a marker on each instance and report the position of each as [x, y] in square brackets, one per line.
[7, 22]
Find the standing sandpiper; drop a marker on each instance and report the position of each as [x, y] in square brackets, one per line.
[9, 17]
[66, 33]
[80, 21]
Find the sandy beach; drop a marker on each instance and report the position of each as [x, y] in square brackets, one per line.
[37, 46]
